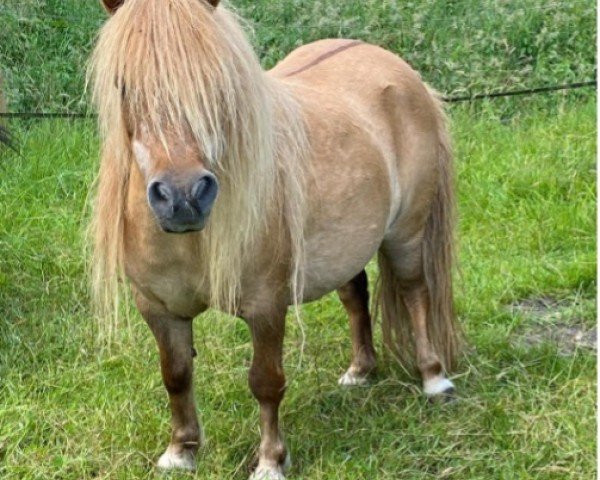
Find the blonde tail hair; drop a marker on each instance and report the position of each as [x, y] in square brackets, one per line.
[438, 258]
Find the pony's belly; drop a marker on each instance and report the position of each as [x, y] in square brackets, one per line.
[350, 209]
[336, 256]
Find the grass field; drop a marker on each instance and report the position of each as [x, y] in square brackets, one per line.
[525, 291]
[527, 218]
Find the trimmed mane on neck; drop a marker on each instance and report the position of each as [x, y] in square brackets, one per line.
[179, 65]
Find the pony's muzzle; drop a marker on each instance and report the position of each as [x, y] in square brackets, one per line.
[182, 206]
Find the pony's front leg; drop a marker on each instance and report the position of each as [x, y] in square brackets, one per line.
[174, 337]
[267, 382]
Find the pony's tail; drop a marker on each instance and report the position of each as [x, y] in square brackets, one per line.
[437, 259]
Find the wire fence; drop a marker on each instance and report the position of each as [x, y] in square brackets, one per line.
[527, 91]
[482, 65]
[454, 99]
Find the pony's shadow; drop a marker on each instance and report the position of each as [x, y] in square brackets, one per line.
[353, 415]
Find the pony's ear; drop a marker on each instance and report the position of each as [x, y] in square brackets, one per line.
[214, 3]
[112, 6]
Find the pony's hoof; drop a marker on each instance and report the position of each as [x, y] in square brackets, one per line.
[350, 379]
[263, 473]
[272, 473]
[171, 460]
[439, 390]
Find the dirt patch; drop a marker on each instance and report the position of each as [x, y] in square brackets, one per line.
[554, 321]
[567, 338]
[540, 307]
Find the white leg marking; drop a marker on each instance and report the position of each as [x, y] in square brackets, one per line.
[350, 379]
[269, 472]
[436, 386]
[171, 460]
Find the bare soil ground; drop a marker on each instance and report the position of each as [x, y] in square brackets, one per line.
[551, 320]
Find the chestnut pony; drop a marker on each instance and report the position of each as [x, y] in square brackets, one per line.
[225, 186]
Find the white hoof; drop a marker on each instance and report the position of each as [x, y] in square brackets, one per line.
[438, 386]
[171, 460]
[350, 379]
[272, 473]
[267, 473]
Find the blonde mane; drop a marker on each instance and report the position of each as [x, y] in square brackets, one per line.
[182, 65]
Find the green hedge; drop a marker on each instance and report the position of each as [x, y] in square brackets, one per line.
[458, 46]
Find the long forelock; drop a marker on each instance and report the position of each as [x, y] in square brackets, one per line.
[179, 64]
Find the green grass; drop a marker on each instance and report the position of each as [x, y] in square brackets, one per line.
[526, 180]
[527, 228]
[458, 46]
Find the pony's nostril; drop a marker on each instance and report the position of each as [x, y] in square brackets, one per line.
[162, 199]
[204, 192]
[159, 192]
[200, 188]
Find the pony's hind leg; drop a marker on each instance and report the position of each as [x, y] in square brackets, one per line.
[355, 298]
[174, 338]
[407, 309]
[435, 383]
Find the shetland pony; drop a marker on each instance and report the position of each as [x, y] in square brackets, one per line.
[225, 186]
